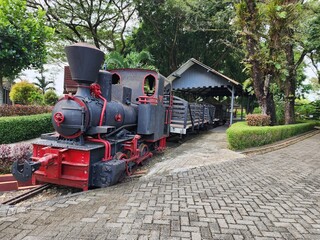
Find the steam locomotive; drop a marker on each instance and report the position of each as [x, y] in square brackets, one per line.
[115, 121]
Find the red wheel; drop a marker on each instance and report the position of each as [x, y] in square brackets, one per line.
[143, 148]
[120, 156]
[123, 156]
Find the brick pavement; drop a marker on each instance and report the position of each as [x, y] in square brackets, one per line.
[271, 196]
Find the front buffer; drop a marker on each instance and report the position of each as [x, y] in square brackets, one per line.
[70, 165]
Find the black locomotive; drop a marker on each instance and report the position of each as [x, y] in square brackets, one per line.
[114, 122]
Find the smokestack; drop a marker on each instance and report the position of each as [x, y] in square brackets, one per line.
[85, 61]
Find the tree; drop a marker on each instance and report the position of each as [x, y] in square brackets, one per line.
[285, 17]
[313, 40]
[102, 23]
[42, 83]
[175, 31]
[274, 35]
[23, 35]
[24, 93]
[132, 60]
[250, 21]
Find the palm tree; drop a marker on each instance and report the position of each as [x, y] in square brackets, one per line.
[42, 84]
[142, 59]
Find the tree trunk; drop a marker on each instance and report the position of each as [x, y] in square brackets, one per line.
[1, 91]
[261, 81]
[271, 109]
[262, 91]
[289, 91]
[290, 85]
[267, 105]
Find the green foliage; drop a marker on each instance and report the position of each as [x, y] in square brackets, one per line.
[241, 136]
[279, 109]
[312, 88]
[99, 22]
[142, 60]
[313, 36]
[42, 83]
[23, 35]
[304, 109]
[36, 98]
[316, 113]
[257, 110]
[15, 129]
[50, 98]
[24, 93]
[274, 35]
[175, 31]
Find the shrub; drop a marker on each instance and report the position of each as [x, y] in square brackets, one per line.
[21, 110]
[21, 152]
[258, 120]
[15, 129]
[21, 92]
[8, 155]
[50, 97]
[5, 159]
[241, 136]
[36, 98]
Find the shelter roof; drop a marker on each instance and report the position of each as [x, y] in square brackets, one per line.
[198, 78]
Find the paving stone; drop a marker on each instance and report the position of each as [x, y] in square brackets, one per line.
[90, 220]
[270, 196]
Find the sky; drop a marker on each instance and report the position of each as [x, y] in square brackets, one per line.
[310, 73]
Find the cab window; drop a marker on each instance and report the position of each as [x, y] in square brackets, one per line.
[149, 85]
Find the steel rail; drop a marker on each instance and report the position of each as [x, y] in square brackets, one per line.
[26, 195]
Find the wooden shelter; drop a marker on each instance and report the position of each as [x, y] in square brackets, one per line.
[196, 78]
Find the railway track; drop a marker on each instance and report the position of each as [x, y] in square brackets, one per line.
[24, 196]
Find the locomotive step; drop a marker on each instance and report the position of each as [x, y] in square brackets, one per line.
[68, 177]
[75, 164]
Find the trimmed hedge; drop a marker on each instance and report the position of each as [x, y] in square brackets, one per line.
[15, 129]
[241, 136]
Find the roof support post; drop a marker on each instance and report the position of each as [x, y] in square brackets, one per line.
[242, 97]
[232, 104]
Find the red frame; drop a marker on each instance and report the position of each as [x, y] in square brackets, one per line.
[148, 99]
[133, 148]
[61, 166]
